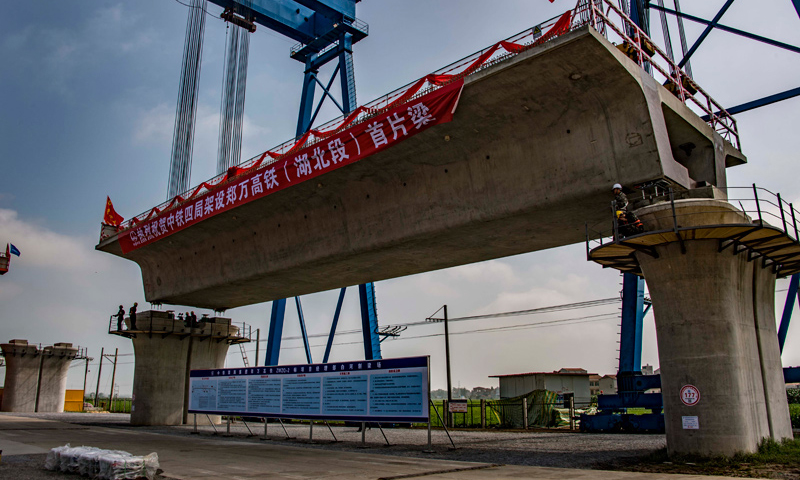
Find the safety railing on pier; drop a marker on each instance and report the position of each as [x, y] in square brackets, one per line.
[173, 325]
[609, 20]
[602, 15]
[81, 354]
[763, 207]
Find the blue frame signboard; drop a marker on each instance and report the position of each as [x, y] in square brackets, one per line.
[387, 390]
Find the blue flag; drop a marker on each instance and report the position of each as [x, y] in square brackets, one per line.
[14, 250]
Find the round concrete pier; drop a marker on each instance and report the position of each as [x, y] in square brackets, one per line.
[715, 322]
[166, 351]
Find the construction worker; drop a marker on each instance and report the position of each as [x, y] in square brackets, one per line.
[629, 223]
[120, 317]
[620, 200]
[132, 315]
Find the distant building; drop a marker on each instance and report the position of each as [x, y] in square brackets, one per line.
[566, 380]
[594, 384]
[608, 384]
[602, 384]
[654, 390]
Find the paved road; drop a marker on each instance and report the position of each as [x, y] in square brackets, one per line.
[186, 457]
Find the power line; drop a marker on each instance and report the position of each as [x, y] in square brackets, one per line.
[531, 311]
[523, 326]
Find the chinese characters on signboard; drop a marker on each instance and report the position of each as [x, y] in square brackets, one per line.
[343, 148]
[390, 390]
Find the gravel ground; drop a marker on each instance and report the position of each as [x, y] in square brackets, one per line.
[541, 448]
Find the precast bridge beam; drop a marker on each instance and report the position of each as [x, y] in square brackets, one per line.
[534, 146]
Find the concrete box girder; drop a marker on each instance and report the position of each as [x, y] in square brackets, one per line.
[528, 158]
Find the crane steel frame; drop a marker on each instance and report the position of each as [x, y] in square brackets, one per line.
[326, 31]
[630, 335]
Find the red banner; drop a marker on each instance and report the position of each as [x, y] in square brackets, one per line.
[348, 146]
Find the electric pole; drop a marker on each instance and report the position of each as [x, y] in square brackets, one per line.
[99, 370]
[448, 415]
[113, 376]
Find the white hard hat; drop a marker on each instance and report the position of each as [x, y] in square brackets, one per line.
[616, 186]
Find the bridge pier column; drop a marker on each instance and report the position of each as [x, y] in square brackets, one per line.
[53, 382]
[36, 379]
[715, 324]
[165, 352]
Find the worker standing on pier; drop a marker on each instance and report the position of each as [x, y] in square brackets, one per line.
[132, 315]
[120, 317]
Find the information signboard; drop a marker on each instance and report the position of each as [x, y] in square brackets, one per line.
[390, 390]
[458, 406]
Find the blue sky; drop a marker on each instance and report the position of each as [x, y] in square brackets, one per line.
[88, 105]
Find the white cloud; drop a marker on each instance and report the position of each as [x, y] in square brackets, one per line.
[155, 125]
[61, 290]
[492, 272]
[42, 247]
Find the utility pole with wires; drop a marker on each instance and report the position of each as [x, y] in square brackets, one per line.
[86, 372]
[113, 377]
[447, 358]
[99, 371]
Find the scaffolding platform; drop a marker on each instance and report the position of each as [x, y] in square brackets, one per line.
[776, 247]
[164, 323]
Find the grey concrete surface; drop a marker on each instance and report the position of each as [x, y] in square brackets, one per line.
[165, 352]
[36, 379]
[715, 327]
[22, 375]
[535, 144]
[56, 361]
[201, 457]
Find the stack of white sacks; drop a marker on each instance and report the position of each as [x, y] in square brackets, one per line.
[102, 464]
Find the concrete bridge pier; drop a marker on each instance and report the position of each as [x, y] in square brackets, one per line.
[715, 323]
[53, 381]
[36, 379]
[165, 351]
[22, 376]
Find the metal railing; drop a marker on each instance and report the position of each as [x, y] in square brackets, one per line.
[177, 326]
[762, 206]
[356, 23]
[587, 12]
[81, 354]
[509, 414]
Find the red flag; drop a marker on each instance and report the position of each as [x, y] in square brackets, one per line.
[111, 217]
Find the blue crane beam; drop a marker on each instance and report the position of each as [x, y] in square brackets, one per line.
[300, 21]
[334, 324]
[369, 321]
[705, 33]
[788, 307]
[630, 349]
[332, 8]
[761, 102]
[728, 29]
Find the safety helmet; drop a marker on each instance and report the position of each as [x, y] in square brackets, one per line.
[619, 213]
[616, 186]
